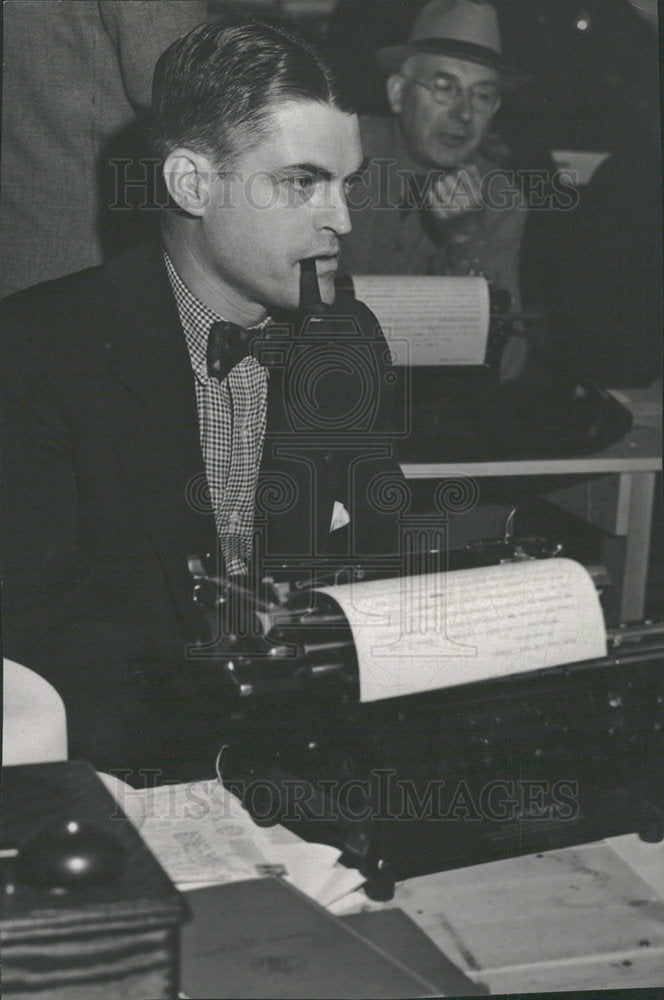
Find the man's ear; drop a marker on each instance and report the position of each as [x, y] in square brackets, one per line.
[188, 177]
[395, 85]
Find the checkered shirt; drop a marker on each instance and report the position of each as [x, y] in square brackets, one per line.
[231, 416]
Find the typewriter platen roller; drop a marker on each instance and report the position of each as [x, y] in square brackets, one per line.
[408, 785]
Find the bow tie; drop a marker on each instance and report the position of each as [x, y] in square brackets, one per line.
[227, 345]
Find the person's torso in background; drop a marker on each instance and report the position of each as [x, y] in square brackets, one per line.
[75, 74]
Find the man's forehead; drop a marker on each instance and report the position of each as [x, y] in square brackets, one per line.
[430, 64]
[310, 132]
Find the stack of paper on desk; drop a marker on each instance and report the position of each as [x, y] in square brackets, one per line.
[201, 835]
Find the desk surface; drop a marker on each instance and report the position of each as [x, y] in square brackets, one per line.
[579, 918]
[639, 451]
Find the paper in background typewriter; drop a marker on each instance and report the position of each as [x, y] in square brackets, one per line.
[429, 320]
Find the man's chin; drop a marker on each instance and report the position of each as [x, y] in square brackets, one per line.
[448, 157]
[448, 162]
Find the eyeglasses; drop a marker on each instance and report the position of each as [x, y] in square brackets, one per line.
[446, 91]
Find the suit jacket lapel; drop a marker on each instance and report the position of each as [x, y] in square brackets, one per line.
[296, 455]
[154, 411]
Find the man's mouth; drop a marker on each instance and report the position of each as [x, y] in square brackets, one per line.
[326, 263]
[453, 139]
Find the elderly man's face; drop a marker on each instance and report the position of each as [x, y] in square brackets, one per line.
[441, 136]
[284, 200]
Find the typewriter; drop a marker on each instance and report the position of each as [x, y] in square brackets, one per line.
[423, 782]
[443, 395]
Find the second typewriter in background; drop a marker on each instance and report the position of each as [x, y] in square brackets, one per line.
[447, 336]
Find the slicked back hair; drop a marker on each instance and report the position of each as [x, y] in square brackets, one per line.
[213, 89]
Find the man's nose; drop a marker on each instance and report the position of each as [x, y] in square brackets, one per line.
[335, 214]
[463, 106]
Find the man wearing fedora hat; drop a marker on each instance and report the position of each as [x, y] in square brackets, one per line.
[435, 200]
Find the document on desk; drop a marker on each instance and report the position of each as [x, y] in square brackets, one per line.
[420, 633]
[201, 835]
[429, 320]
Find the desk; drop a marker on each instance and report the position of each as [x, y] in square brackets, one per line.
[579, 918]
[614, 490]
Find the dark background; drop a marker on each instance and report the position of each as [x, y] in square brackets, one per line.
[582, 77]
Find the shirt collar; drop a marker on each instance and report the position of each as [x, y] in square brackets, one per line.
[196, 319]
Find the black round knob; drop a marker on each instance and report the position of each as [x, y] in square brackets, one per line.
[73, 854]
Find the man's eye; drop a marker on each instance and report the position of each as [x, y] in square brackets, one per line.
[352, 182]
[444, 86]
[301, 183]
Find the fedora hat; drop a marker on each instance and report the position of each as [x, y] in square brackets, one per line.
[465, 29]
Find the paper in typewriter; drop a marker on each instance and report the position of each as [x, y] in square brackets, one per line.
[429, 320]
[419, 633]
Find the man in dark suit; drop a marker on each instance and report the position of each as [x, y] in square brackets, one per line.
[175, 401]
